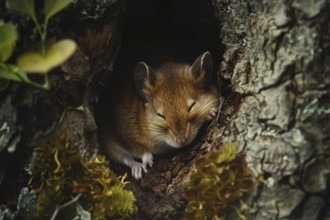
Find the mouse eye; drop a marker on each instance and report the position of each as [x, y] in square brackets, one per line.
[160, 115]
[191, 106]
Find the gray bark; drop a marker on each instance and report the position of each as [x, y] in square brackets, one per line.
[277, 55]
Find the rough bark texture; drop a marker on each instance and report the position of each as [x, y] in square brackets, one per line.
[277, 55]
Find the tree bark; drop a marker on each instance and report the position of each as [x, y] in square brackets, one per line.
[277, 56]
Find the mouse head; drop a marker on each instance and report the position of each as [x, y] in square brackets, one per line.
[178, 99]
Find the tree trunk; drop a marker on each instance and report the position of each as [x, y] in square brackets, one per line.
[277, 56]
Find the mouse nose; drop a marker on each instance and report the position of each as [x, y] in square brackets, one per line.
[181, 140]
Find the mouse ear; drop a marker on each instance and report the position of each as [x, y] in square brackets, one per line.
[144, 76]
[203, 65]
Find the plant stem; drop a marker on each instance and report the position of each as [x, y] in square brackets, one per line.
[43, 37]
[37, 85]
[75, 199]
[37, 26]
[46, 84]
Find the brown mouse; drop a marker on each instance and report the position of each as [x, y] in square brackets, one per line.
[152, 110]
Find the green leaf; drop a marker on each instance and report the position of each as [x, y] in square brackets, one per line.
[58, 53]
[8, 37]
[54, 6]
[8, 73]
[24, 6]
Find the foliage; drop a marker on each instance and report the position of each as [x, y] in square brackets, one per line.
[218, 184]
[8, 37]
[60, 174]
[41, 61]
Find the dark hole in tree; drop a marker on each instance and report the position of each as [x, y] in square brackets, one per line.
[189, 28]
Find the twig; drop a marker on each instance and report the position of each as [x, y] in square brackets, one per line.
[58, 208]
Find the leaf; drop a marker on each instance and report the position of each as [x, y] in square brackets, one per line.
[8, 37]
[83, 214]
[58, 53]
[24, 6]
[54, 6]
[7, 73]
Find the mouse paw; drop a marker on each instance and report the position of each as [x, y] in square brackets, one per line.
[148, 159]
[213, 113]
[137, 170]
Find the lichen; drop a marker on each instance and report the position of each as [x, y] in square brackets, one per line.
[218, 184]
[60, 174]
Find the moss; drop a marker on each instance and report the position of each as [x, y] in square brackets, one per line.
[218, 184]
[60, 174]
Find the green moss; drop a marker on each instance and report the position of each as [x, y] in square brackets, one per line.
[218, 184]
[60, 174]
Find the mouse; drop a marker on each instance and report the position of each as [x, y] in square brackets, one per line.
[152, 109]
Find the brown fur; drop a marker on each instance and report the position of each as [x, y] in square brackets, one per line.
[134, 126]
